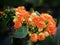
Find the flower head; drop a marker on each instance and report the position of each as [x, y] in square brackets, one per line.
[41, 36]
[41, 24]
[34, 37]
[17, 24]
[51, 29]
[35, 20]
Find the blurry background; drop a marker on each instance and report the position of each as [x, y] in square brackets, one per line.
[43, 6]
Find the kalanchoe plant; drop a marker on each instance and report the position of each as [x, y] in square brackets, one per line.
[38, 27]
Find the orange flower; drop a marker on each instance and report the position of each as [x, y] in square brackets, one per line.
[51, 29]
[35, 20]
[27, 22]
[41, 36]
[33, 37]
[46, 33]
[42, 18]
[20, 19]
[52, 32]
[19, 9]
[45, 16]
[41, 25]
[27, 14]
[17, 24]
[51, 21]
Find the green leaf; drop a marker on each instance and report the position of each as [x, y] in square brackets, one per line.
[30, 42]
[55, 19]
[31, 10]
[21, 33]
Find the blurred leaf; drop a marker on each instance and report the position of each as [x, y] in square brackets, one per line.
[21, 33]
[31, 10]
[37, 13]
[8, 15]
[55, 19]
[30, 42]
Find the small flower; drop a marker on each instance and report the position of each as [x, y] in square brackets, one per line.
[20, 19]
[46, 33]
[45, 16]
[51, 29]
[41, 36]
[17, 24]
[15, 18]
[39, 30]
[35, 20]
[52, 32]
[27, 14]
[33, 14]
[27, 22]
[30, 20]
[34, 37]
[19, 9]
[41, 25]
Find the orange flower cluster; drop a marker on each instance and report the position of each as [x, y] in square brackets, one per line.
[41, 36]
[45, 23]
[21, 16]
